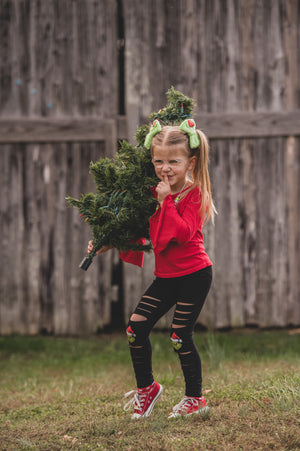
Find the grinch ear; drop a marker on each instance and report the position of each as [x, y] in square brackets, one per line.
[155, 128]
[188, 126]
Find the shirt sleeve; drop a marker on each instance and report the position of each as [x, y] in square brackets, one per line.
[175, 227]
[134, 257]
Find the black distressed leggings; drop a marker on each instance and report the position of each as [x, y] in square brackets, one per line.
[188, 293]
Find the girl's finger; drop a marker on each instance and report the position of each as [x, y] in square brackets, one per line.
[165, 179]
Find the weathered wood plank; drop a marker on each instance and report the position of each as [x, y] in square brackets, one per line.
[215, 125]
[292, 189]
[290, 42]
[249, 125]
[271, 257]
[248, 221]
[12, 237]
[31, 130]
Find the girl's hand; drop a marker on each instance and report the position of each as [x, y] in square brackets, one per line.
[163, 189]
[90, 247]
[100, 251]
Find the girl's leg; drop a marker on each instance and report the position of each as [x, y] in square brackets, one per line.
[156, 301]
[194, 289]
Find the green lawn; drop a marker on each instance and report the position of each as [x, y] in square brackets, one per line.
[63, 393]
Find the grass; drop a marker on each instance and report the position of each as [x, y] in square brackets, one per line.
[64, 393]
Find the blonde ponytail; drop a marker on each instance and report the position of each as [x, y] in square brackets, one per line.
[201, 178]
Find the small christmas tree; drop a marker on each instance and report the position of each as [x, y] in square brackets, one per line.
[118, 214]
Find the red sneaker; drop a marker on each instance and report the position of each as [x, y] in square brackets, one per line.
[189, 405]
[144, 400]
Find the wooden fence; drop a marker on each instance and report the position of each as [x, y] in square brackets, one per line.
[255, 241]
[239, 60]
[70, 89]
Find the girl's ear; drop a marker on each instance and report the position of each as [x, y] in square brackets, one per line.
[192, 163]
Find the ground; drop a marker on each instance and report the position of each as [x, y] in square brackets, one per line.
[63, 393]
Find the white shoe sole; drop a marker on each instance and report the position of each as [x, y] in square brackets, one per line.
[203, 411]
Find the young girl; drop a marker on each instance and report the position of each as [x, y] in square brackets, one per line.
[182, 268]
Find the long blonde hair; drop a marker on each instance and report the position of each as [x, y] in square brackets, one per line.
[172, 135]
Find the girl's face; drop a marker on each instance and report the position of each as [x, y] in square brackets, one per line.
[173, 162]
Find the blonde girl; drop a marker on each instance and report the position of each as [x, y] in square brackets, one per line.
[183, 270]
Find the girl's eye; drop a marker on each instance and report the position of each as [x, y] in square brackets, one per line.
[159, 163]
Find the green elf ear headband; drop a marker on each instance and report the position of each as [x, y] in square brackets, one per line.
[188, 126]
[154, 129]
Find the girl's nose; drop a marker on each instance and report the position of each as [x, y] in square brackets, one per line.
[165, 167]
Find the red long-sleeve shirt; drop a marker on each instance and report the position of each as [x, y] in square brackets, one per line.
[176, 236]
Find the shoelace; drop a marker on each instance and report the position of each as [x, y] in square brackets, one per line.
[184, 404]
[138, 400]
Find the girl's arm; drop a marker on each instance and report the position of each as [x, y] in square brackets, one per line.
[100, 251]
[174, 227]
[133, 257]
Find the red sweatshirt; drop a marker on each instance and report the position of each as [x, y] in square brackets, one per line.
[176, 236]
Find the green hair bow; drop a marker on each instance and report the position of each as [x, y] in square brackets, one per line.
[154, 129]
[188, 126]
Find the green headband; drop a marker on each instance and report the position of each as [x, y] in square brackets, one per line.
[188, 126]
[154, 129]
